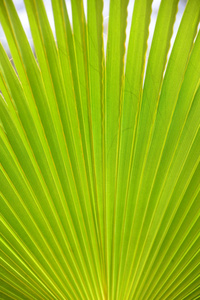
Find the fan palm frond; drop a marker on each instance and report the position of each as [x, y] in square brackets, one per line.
[100, 173]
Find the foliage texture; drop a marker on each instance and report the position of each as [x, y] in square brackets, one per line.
[100, 173]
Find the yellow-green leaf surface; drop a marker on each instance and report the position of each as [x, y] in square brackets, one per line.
[100, 153]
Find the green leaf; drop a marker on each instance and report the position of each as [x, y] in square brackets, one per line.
[99, 153]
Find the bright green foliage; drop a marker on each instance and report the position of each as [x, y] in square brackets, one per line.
[100, 159]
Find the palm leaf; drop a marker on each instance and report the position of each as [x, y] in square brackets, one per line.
[100, 173]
